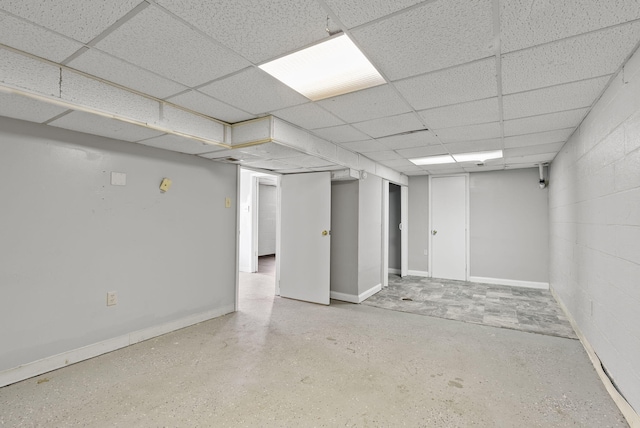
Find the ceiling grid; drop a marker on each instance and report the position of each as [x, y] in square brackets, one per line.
[461, 75]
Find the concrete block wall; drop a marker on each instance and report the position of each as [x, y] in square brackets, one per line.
[594, 213]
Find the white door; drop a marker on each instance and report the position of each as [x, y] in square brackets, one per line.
[305, 242]
[449, 227]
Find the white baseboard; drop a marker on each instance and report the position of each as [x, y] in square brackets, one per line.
[418, 273]
[47, 364]
[395, 271]
[632, 417]
[352, 298]
[370, 292]
[510, 282]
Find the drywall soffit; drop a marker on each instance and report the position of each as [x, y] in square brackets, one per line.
[43, 80]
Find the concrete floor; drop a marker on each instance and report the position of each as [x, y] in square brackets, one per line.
[280, 362]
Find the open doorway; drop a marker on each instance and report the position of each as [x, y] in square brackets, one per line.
[258, 204]
[395, 228]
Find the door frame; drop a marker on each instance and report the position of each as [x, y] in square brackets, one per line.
[404, 232]
[466, 217]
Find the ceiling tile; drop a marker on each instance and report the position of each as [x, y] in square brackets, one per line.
[165, 45]
[583, 57]
[530, 159]
[474, 146]
[468, 82]
[386, 155]
[391, 125]
[418, 152]
[397, 163]
[544, 122]
[276, 27]
[176, 143]
[254, 91]
[431, 37]
[481, 111]
[271, 151]
[366, 104]
[482, 131]
[354, 13]
[211, 107]
[115, 70]
[365, 146]
[533, 150]
[79, 19]
[307, 161]
[413, 139]
[341, 134]
[417, 171]
[308, 116]
[557, 136]
[19, 107]
[555, 98]
[483, 168]
[445, 169]
[221, 154]
[98, 125]
[35, 40]
[524, 23]
[268, 164]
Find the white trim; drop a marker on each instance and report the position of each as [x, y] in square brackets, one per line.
[352, 298]
[385, 233]
[510, 282]
[404, 233]
[370, 292]
[395, 271]
[54, 362]
[422, 273]
[632, 417]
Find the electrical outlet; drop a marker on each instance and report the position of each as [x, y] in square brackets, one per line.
[227, 202]
[112, 298]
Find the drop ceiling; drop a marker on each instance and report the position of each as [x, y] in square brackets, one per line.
[461, 75]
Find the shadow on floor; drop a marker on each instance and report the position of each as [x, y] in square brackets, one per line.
[517, 308]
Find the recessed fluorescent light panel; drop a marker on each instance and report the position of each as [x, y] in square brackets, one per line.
[433, 160]
[328, 69]
[478, 156]
[460, 157]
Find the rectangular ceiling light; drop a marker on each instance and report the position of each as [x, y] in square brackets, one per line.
[433, 160]
[328, 69]
[478, 156]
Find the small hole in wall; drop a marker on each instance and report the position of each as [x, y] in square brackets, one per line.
[407, 299]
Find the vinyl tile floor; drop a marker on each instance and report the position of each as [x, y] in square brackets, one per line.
[517, 308]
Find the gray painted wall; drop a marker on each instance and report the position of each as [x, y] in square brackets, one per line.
[369, 233]
[344, 237]
[594, 194]
[69, 237]
[268, 202]
[395, 239]
[509, 226]
[418, 223]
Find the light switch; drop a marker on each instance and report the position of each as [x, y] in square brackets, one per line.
[227, 202]
[118, 178]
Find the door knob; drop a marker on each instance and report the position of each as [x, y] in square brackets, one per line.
[434, 232]
[325, 233]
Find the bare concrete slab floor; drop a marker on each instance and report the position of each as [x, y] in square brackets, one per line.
[284, 363]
